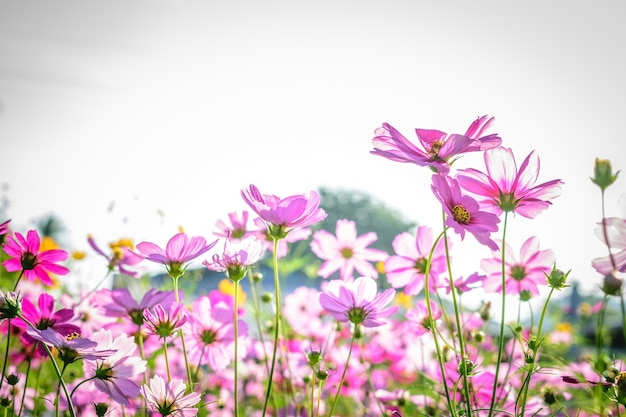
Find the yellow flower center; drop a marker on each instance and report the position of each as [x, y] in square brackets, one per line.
[461, 214]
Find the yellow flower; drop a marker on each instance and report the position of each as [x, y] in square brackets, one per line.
[78, 255]
[563, 327]
[47, 243]
[380, 267]
[227, 286]
[403, 300]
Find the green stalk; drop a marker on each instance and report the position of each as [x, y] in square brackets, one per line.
[182, 340]
[345, 370]
[502, 314]
[236, 329]
[276, 325]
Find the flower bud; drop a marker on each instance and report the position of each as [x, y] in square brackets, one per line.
[556, 279]
[611, 285]
[603, 173]
[101, 409]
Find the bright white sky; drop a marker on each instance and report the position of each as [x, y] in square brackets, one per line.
[164, 111]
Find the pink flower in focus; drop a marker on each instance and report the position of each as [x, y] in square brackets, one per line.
[357, 302]
[26, 257]
[505, 188]
[407, 267]
[438, 149]
[283, 215]
[70, 347]
[179, 251]
[43, 317]
[282, 246]
[523, 273]
[116, 374]
[346, 251]
[169, 399]
[236, 257]
[162, 322]
[463, 212]
[121, 256]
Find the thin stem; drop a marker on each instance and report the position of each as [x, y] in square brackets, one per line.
[276, 325]
[182, 340]
[6, 353]
[433, 328]
[311, 405]
[236, 329]
[459, 326]
[535, 349]
[345, 370]
[167, 362]
[17, 281]
[26, 379]
[502, 315]
[142, 355]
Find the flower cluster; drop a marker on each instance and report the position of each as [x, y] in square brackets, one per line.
[374, 332]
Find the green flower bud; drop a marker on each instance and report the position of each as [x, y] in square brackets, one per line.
[603, 173]
[101, 409]
[612, 285]
[556, 279]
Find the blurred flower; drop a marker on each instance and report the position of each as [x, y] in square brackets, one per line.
[43, 317]
[162, 322]
[238, 228]
[4, 227]
[120, 303]
[346, 251]
[121, 256]
[236, 257]
[612, 232]
[357, 302]
[27, 256]
[170, 399]
[438, 149]
[523, 273]
[116, 374]
[505, 188]
[10, 305]
[463, 212]
[462, 285]
[418, 319]
[407, 267]
[179, 251]
[283, 215]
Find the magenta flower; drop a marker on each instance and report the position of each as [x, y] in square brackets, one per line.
[179, 251]
[162, 322]
[120, 303]
[237, 256]
[71, 347]
[524, 273]
[43, 317]
[505, 188]
[346, 252]
[439, 150]
[407, 267]
[121, 257]
[418, 320]
[26, 257]
[4, 228]
[282, 246]
[357, 302]
[116, 374]
[169, 399]
[283, 215]
[463, 212]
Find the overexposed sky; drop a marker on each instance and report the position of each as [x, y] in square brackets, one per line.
[130, 118]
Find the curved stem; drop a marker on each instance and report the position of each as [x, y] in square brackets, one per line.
[345, 370]
[502, 314]
[276, 325]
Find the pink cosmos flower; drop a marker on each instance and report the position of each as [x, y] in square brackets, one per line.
[357, 302]
[209, 334]
[464, 285]
[42, 317]
[346, 252]
[439, 150]
[179, 251]
[238, 228]
[417, 317]
[121, 257]
[26, 257]
[4, 229]
[71, 347]
[164, 323]
[120, 303]
[169, 399]
[615, 241]
[505, 188]
[283, 215]
[407, 267]
[463, 212]
[237, 256]
[523, 273]
[282, 247]
[116, 374]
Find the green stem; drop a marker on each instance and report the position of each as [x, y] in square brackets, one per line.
[26, 379]
[345, 370]
[182, 340]
[433, 328]
[236, 328]
[6, 353]
[142, 355]
[535, 349]
[502, 315]
[459, 327]
[276, 325]
[167, 362]
[311, 405]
